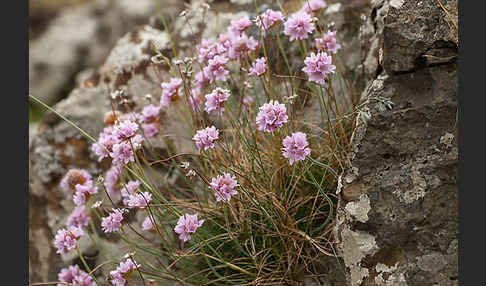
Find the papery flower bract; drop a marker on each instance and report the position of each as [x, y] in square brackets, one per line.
[147, 224]
[295, 147]
[112, 222]
[268, 19]
[170, 91]
[125, 130]
[139, 200]
[317, 66]
[328, 42]
[75, 277]
[186, 225]
[205, 138]
[216, 69]
[238, 26]
[224, 185]
[72, 178]
[150, 113]
[216, 99]
[271, 116]
[299, 26]
[150, 129]
[66, 239]
[241, 45]
[78, 217]
[259, 67]
[312, 5]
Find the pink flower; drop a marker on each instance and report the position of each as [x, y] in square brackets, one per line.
[150, 129]
[125, 130]
[147, 224]
[224, 185]
[66, 239]
[111, 183]
[298, 26]
[150, 113]
[312, 5]
[241, 46]
[196, 99]
[216, 69]
[317, 66]
[123, 153]
[268, 19]
[216, 99]
[113, 221]
[202, 79]
[248, 100]
[205, 138]
[238, 26]
[105, 143]
[75, 276]
[295, 147]
[271, 116]
[123, 272]
[139, 200]
[259, 67]
[130, 188]
[78, 217]
[84, 192]
[208, 49]
[328, 42]
[186, 225]
[130, 116]
[170, 91]
[72, 178]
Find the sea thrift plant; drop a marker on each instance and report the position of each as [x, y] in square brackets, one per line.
[66, 239]
[259, 67]
[238, 26]
[299, 26]
[312, 6]
[328, 42]
[122, 273]
[113, 222]
[73, 178]
[269, 19]
[147, 224]
[216, 99]
[272, 115]
[295, 147]
[78, 218]
[216, 69]
[170, 91]
[205, 138]
[75, 276]
[224, 185]
[186, 225]
[318, 66]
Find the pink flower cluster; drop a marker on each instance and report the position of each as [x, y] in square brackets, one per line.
[113, 221]
[112, 180]
[78, 217]
[271, 116]
[170, 91]
[205, 138]
[312, 5]
[242, 45]
[122, 273]
[224, 185]
[216, 99]
[295, 147]
[75, 277]
[149, 116]
[269, 19]
[216, 69]
[238, 26]
[299, 26]
[73, 178]
[186, 225]
[259, 67]
[66, 239]
[318, 66]
[147, 224]
[328, 42]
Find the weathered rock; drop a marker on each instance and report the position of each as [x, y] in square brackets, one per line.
[81, 37]
[397, 218]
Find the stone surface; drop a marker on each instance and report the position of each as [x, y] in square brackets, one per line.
[397, 217]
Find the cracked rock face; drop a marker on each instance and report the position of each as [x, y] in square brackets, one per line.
[400, 186]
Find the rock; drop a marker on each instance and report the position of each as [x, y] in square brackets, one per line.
[81, 37]
[397, 215]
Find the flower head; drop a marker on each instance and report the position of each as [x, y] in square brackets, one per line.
[299, 26]
[295, 147]
[271, 116]
[147, 224]
[78, 217]
[238, 26]
[186, 225]
[208, 49]
[216, 69]
[122, 273]
[205, 138]
[328, 42]
[72, 178]
[259, 67]
[150, 129]
[150, 113]
[139, 200]
[312, 5]
[113, 221]
[66, 239]
[123, 153]
[84, 192]
[268, 19]
[242, 45]
[111, 183]
[196, 99]
[224, 185]
[170, 91]
[75, 276]
[317, 66]
[105, 143]
[125, 130]
[216, 99]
